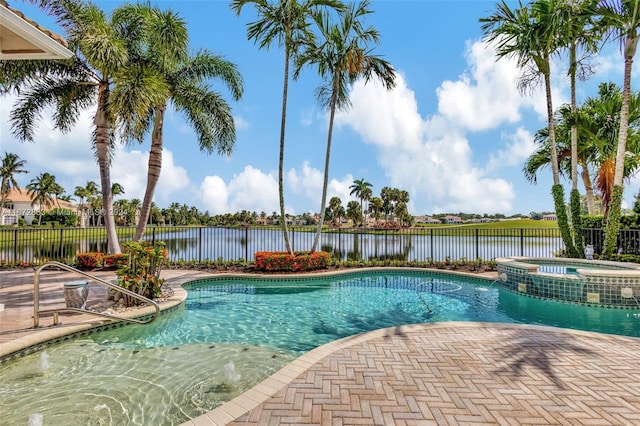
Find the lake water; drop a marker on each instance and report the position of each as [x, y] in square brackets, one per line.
[212, 243]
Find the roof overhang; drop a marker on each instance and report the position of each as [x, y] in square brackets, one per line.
[23, 39]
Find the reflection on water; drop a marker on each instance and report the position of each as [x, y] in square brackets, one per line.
[212, 243]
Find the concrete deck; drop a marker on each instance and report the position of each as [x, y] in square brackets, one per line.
[443, 373]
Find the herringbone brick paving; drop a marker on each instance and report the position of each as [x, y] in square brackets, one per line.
[465, 373]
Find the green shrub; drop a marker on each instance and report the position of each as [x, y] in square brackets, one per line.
[140, 272]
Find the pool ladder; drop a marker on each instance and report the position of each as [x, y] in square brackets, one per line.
[52, 264]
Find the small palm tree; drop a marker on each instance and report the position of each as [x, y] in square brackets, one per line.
[375, 208]
[43, 190]
[361, 189]
[11, 166]
[284, 22]
[353, 211]
[343, 56]
[88, 193]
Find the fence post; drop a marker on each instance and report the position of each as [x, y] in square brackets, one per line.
[293, 240]
[15, 245]
[431, 244]
[153, 236]
[200, 244]
[61, 243]
[477, 244]
[246, 243]
[521, 242]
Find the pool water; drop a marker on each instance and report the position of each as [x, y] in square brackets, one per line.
[230, 335]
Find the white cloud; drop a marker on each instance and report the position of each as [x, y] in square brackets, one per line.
[51, 151]
[485, 98]
[431, 158]
[251, 190]
[241, 123]
[519, 147]
[214, 195]
[129, 169]
[308, 182]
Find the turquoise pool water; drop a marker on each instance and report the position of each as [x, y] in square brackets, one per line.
[232, 334]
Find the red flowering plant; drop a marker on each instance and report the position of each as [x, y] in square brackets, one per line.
[90, 260]
[141, 272]
[300, 261]
[115, 260]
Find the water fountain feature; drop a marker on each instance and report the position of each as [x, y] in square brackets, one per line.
[36, 419]
[230, 372]
[44, 361]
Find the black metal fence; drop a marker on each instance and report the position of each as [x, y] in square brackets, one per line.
[213, 243]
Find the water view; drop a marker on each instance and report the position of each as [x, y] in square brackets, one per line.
[213, 243]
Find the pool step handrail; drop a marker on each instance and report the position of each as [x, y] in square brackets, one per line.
[53, 264]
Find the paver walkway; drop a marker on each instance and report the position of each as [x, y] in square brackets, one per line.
[424, 374]
[452, 374]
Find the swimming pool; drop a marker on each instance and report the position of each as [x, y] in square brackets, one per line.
[233, 333]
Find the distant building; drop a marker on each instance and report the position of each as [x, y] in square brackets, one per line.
[426, 219]
[17, 205]
[452, 219]
[550, 216]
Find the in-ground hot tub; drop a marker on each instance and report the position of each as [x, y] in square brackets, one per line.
[592, 282]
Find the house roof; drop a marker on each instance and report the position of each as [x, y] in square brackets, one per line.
[22, 196]
[23, 38]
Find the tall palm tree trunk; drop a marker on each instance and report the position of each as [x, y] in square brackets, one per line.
[2, 198]
[557, 191]
[574, 127]
[588, 190]
[574, 196]
[615, 204]
[103, 148]
[153, 172]
[283, 121]
[325, 182]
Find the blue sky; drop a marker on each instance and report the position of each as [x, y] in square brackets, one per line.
[454, 132]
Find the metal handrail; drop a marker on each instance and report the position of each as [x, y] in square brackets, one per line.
[36, 297]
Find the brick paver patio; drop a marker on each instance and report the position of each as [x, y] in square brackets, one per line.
[423, 374]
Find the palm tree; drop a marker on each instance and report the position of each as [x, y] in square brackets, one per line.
[365, 196]
[42, 190]
[577, 31]
[542, 157]
[11, 166]
[375, 208]
[359, 188]
[599, 119]
[104, 74]
[530, 34]
[87, 192]
[166, 52]
[620, 18]
[342, 57]
[353, 211]
[285, 22]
